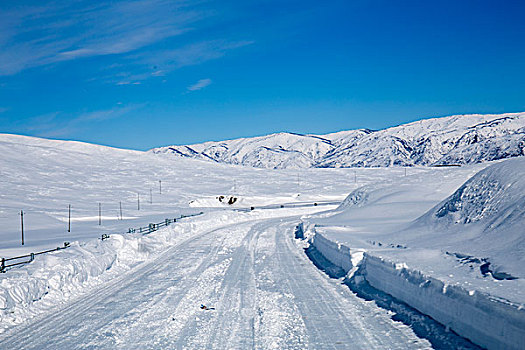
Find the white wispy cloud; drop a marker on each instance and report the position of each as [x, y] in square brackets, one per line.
[58, 124]
[201, 84]
[193, 53]
[106, 114]
[165, 61]
[32, 36]
[55, 31]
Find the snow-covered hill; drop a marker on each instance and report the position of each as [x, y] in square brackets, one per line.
[460, 139]
[485, 217]
[43, 177]
[459, 261]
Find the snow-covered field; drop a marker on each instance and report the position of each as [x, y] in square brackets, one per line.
[42, 177]
[135, 291]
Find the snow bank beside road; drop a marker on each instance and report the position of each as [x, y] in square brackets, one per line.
[486, 320]
[461, 262]
[55, 278]
[336, 253]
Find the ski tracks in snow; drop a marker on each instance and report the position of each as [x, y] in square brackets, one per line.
[265, 291]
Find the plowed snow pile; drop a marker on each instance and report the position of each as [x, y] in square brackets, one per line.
[485, 218]
[461, 261]
[475, 237]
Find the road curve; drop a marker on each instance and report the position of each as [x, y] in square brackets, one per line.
[264, 291]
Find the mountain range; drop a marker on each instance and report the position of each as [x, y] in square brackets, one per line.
[452, 140]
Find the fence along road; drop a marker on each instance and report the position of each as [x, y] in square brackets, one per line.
[6, 263]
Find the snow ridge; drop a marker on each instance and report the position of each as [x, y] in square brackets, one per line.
[459, 139]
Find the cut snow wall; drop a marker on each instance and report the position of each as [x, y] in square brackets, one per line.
[336, 253]
[486, 320]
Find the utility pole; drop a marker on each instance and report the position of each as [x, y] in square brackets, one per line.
[150, 196]
[160, 186]
[138, 201]
[120, 205]
[69, 219]
[405, 171]
[99, 214]
[22, 224]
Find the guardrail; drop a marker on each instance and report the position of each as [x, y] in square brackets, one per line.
[6, 263]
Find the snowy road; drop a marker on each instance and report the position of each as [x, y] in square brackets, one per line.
[265, 291]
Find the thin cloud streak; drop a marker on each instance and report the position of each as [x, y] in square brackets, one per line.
[39, 35]
[195, 53]
[57, 124]
[201, 84]
[169, 60]
[105, 114]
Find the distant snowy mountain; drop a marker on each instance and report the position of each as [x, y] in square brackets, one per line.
[460, 139]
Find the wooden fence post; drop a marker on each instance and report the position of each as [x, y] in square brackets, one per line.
[22, 224]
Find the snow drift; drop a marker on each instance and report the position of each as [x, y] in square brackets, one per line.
[486, 216]
[461, 262]
[494, 197]
[56, 278]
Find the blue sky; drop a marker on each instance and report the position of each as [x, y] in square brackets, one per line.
[140, 74]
